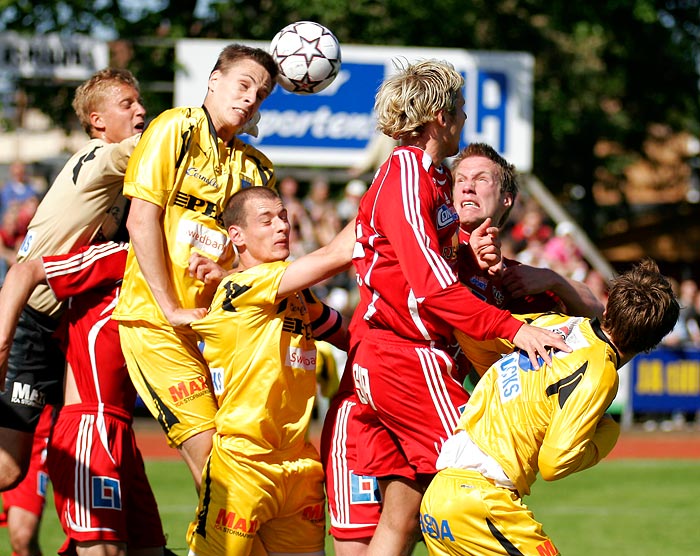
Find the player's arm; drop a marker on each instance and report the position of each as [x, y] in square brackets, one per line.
[580, 433]
[522, 280]
[320, 264]
[19, 284]
[413, 236]
[148, 243]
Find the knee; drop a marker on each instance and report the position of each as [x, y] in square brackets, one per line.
[11, 473]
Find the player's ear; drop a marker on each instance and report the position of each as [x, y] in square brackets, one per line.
[213, 79]
[441, 118]
[508, 200]
[97, 121]
[235, 233]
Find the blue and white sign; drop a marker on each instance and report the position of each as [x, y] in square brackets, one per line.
[334, 127]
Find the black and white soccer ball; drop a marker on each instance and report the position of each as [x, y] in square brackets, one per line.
[308, 56]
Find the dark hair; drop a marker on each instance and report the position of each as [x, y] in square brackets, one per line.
[506, 172]
[236, 210]
[641, 309]
[233, 53]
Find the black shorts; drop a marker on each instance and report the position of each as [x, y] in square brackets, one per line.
[35, 370]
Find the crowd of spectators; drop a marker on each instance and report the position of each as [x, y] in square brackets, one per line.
[19, 198]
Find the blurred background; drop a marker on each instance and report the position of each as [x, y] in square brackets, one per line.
[606, 94]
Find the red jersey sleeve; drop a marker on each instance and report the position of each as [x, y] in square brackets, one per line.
[93, 266]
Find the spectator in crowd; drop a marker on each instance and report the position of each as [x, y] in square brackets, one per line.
[301, 234]
[347, 206]
[321, 210]
[17, 188]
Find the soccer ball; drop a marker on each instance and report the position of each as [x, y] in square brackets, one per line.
[308, 56]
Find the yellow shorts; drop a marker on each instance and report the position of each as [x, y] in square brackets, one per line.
[171, 376]
[255, 507]
[463, 513]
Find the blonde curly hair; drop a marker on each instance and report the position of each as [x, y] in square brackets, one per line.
[414, 96]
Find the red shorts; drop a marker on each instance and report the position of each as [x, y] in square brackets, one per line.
[353, 500]
[99, 481]
[30, 494]
[410, 404]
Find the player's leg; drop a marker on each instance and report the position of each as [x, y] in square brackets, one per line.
[172, 378]
[35, 371]
[411, 393]
[24, 504]
[15, 453]
[299, 522]
[232, 505]
[195, 451]
[23, 530]
[463, 513]
[353, 500]
[398, 528]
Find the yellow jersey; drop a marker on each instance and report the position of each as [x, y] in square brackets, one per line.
[262, 359]
[547, 420]
[184, 168]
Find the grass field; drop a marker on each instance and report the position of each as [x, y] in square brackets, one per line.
[621, 507]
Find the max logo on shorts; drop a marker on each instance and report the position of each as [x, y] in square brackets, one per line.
[314, 513]
[187, 391]
[547, 549]
[106, 493]
[430, 527]
[24, 394]
[233, 524]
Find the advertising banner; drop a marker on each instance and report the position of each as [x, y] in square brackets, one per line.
[333, 128]
[666, 380]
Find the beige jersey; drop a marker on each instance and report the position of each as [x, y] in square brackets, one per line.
[546, 420]
[84, 204]
[184, 168]
[262, 358]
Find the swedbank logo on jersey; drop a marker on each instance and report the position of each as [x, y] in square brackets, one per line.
[298, 358]
[199, 236]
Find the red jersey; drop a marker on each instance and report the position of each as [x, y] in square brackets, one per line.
[405, 256]
[91, 277]
[490, 288]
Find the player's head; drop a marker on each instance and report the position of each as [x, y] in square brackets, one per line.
[109, 105]
[641, 309]
[485, 186]
[242, 78]
[257, 224]
[418, 94]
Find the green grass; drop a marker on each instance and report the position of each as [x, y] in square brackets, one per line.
[622, 507]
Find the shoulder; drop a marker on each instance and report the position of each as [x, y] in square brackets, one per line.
[257, 159]
[181, 116]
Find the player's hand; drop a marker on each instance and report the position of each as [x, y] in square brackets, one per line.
[206, 270]
[486, 246]
[183, 317]
[522, 280]
[537, 342]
